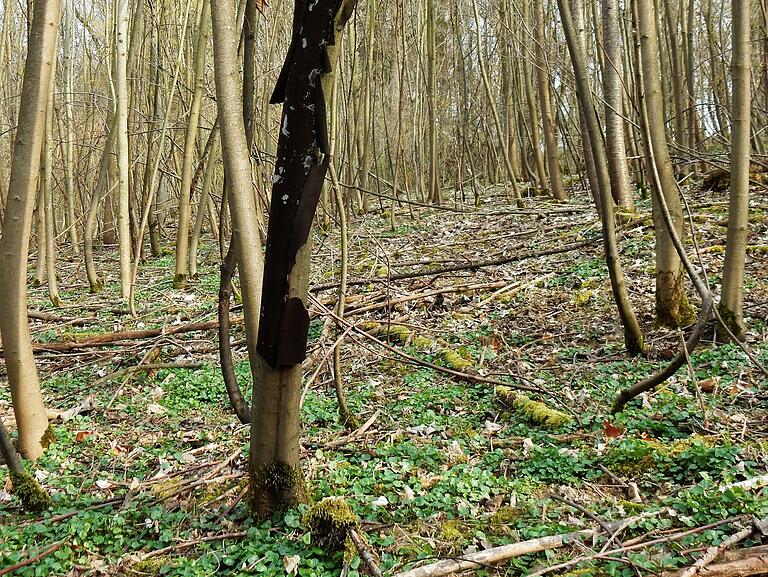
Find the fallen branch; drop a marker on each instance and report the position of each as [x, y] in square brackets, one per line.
[32, 560]
[714, 552]
[739, 568]
[416, 361]
[365, 554]
[192, 543]
[495, 555]
[465, 266]
[147, 367]
[114, 338]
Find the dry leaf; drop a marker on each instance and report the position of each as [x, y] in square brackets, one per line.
[291, 564]
[708, 385]
[610, 431]
[156, 409]
[81, 436]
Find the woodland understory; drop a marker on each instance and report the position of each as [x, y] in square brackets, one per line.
[147, 470]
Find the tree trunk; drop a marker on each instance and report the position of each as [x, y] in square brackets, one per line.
[731, 305]
[301, 164]
[633, 337]
[672, 307]
[31, 418]
[545, 103]
[122, 15]
[193, 124]
[614, 105]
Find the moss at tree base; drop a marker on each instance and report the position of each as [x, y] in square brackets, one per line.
[275, 487]
[731, 322]
[673, 310]
[32, 496]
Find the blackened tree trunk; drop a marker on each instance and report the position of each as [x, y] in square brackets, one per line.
[302, 162]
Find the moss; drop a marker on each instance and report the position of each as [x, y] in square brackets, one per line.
[48, 438]
[454, 533]
[180, 281]
[151, 566]
[672, 307]
[454, 360]
[329, 523]
[505, 516]
[97, 286]
[731, 322]
[165, 489]
[276, 486]
[634, 457]
[583, 297]
[534, 411]
[635, 346]
[32, 496]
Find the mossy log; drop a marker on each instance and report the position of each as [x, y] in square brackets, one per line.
[534, 411]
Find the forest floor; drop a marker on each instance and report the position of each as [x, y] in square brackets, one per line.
[148, 476]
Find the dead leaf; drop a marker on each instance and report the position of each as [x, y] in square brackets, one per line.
[611, 431]
[291, 564]
[156, 409]
[81, 436]
[708, 385]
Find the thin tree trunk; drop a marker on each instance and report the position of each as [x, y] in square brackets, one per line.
[633, 336]
[614, 105]
[545, 103]
[122, 15]
[69, 148]
[494, 110]
[46, 190]
[672, 307]
[31, 418]
[731, 305]
[193, 124]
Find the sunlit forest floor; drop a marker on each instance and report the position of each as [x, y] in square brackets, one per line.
[148, 471]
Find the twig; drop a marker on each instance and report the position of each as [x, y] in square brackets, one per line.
[694, 380]
[365, 554]
[524, 255]
[634, 547]
[714, 552]
[422, 363]
[32, 560]
[147, 367]
[192, 543]
[356, 433]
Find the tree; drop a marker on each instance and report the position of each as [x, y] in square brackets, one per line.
[672, 307]
[547, 119]
[28, 406]
[193, 124]
[122, 15]
[731, 305]
[614, 103]
[633, 337]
